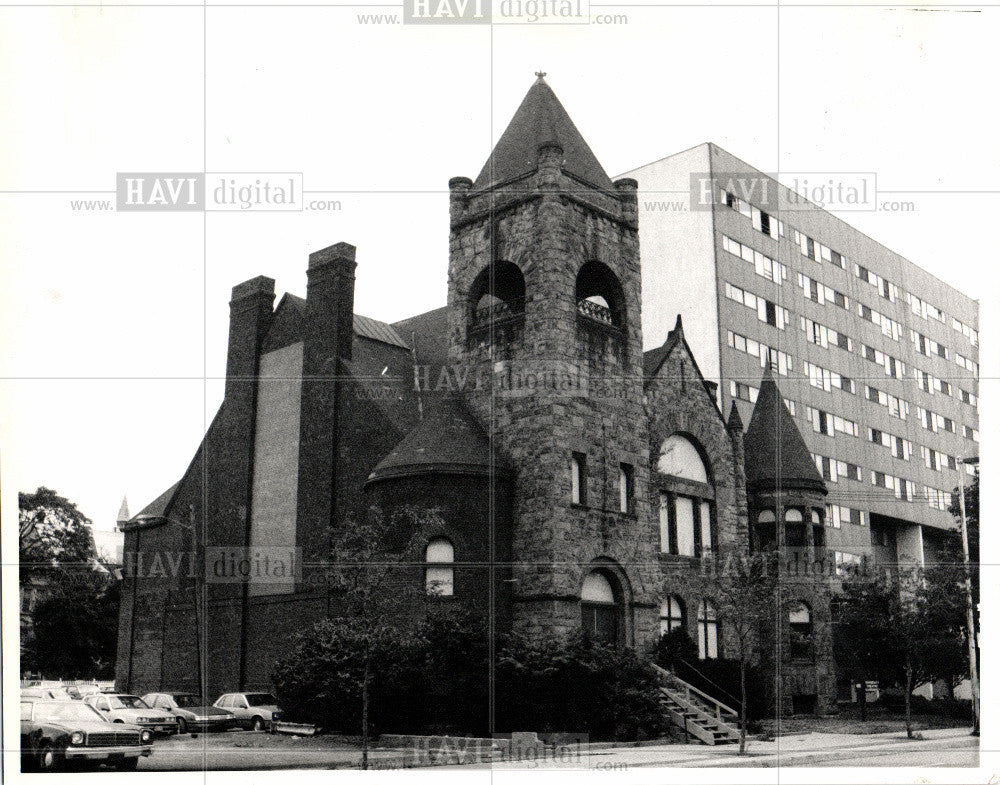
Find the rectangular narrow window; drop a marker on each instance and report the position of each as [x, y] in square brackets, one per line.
[625, 488]
[665, 528]
[578, 478]
[707, 541]
[684, 525]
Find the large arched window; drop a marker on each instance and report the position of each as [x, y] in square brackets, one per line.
[599, 294]
[497, 293]
[600, 608]
[708, 631]
[687, 500]
[440, 567]
[671, 614]
[680, 458]
[800, 630]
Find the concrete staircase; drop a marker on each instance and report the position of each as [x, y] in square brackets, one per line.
[699, 714]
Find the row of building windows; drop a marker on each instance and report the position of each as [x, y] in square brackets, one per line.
[901, 448]
[897, 407]
[827, 380]
[886, 289]
[827, 424]
[890, 327]
[969, 332]
[764, 266]
[767, 311]
[824, 336]
[924, 309]
[808, 247]
[824, 379]
[893, 367]
[820, 293]
[836, 515]
[778, 360]
[928, 346]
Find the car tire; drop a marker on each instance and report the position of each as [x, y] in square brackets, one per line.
[181, 726]
[129, 764]
[48, 758]
[257, 724]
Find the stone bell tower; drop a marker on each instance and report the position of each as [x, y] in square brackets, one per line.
[544, 323]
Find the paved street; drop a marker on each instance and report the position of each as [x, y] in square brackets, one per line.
[252, 751]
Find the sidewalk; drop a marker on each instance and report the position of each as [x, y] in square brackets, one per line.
[796, 750]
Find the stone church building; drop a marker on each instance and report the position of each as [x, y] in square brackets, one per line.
[597, 480]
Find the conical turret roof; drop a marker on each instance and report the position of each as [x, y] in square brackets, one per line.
[540, 119]
[776, 454]
[447, 441]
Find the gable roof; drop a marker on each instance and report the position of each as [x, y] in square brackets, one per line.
[653, 360]
[449, 440]
[152, 513]
[540, 119]
[776, 454]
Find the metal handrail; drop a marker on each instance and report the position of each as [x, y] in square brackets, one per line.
[706, 678]
[720, 707]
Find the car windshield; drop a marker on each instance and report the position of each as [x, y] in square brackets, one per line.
[66, 712]
[128, 702]
[261, 699]
[188, 701]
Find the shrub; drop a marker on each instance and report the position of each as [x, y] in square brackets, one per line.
[577, 687]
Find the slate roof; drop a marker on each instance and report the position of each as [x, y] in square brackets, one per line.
[427, 333]
[776, 454]
[540, 118]
[449, 440]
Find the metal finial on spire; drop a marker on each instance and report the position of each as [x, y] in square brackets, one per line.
[540, 74]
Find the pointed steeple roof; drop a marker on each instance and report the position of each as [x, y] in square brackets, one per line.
[448, 441]
[123, 514]
[735, 422]
[540, 119]
[776, 454]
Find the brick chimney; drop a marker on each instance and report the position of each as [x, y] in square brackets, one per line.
[328, 337]
[330, 302]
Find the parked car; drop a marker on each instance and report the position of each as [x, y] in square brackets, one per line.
[254, 710]
[120, 707]
[43, 694]
[81, 691]
[54, 733]
[191, 711]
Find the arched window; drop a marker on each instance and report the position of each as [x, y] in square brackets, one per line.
[671, 614]
[600, 608]
[687, 500]
[440, 569]
[799, 631]
[708, 631]
[599, 294]
[680, 458]
[793, 515]
[765, 516]
[497, 293]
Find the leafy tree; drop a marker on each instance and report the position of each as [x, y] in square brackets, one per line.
[374, 576]
[75, 630]
[674, 648]
[53, 532]
[901, 629]
[746, 602]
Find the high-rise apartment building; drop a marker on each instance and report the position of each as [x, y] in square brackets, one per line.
[877, 358]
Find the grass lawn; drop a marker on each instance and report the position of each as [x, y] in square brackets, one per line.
[849, 721]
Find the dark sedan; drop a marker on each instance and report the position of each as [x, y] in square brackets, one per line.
[192, 712]
[55, 733]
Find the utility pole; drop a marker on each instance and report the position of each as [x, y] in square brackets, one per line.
[969, 609]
